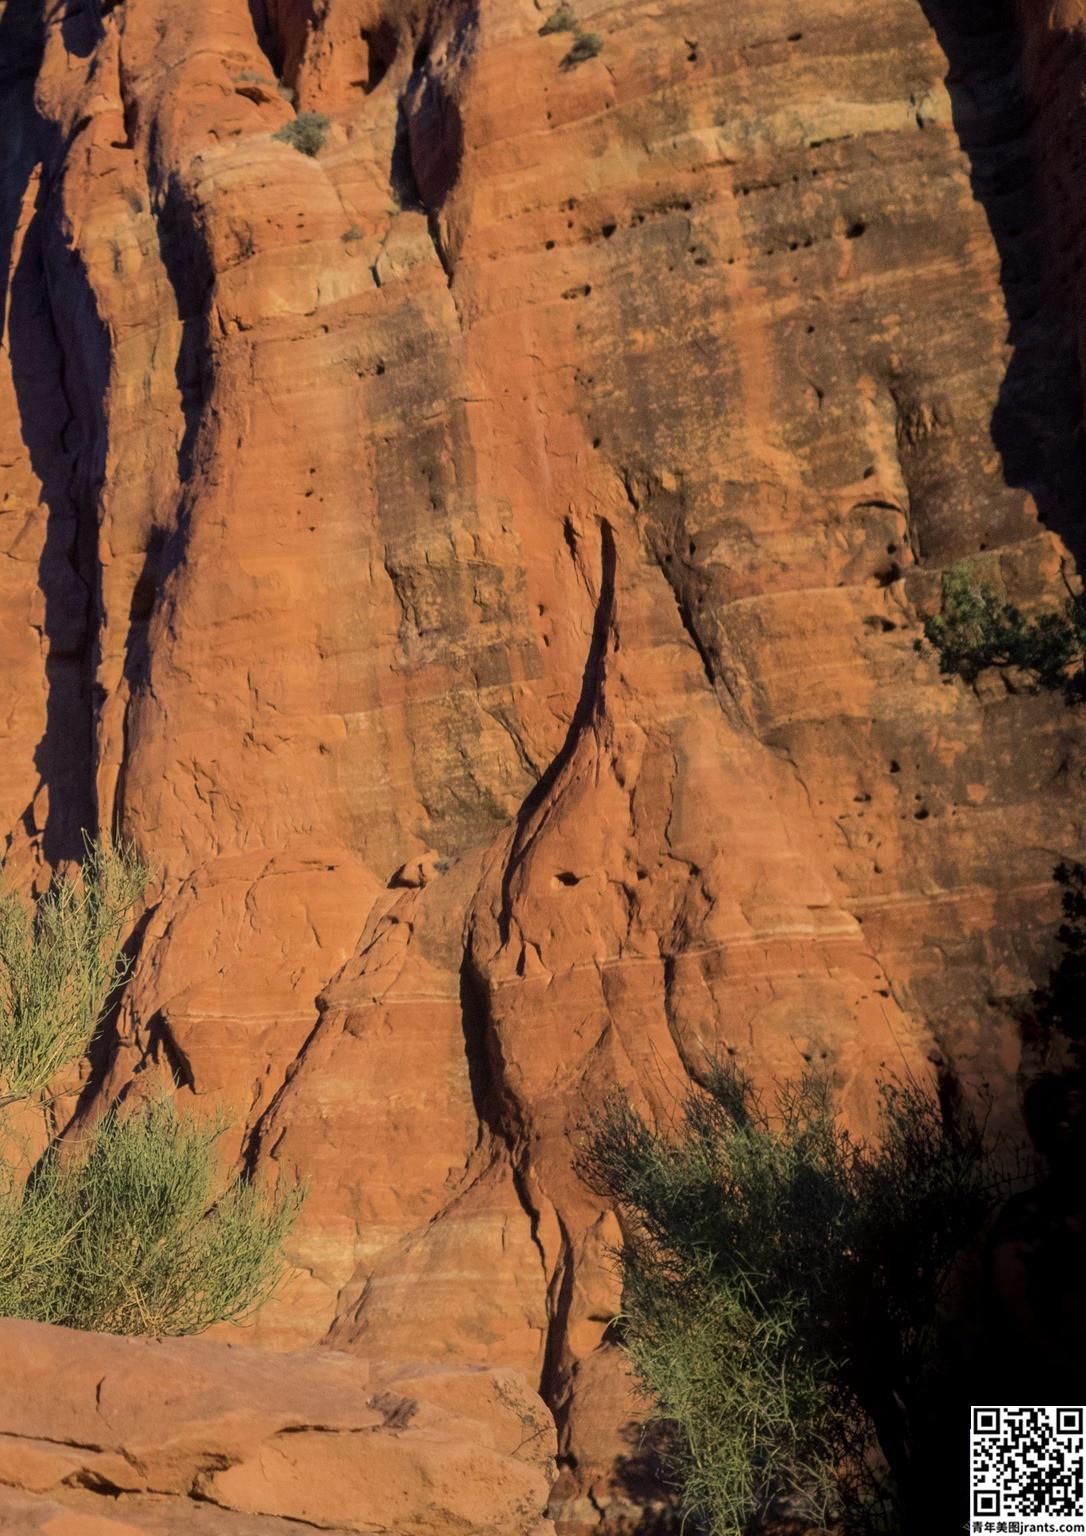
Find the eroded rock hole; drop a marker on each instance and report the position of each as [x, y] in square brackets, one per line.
[382, 46]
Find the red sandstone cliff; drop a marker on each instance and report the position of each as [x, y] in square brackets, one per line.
[481, 564]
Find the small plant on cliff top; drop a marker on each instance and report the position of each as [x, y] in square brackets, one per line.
[306, 133]
[977, 628]
[120, 1229]
[780, 1291]
[563, 19]
[586, 45]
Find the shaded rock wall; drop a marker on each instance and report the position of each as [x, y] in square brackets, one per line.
[481, 566]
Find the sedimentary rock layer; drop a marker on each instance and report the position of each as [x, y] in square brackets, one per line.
[481, 566]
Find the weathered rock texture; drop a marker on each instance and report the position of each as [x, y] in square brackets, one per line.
[194, 1436]
[481, 566]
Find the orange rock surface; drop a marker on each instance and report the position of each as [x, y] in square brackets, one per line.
[196, 1436]
[481, 564]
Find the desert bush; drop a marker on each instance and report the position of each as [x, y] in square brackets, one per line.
[781, 1287]
[120, 1230]
[586, 45]
[306, 133]
[978, 628]
[60, 963]
[562, 19]
[125, 1234]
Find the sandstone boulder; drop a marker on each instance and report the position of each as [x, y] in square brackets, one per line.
[112, 1436]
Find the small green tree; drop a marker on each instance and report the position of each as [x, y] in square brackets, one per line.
[120, 1230]
[781, 1284]
[978, 628]
[306, 133]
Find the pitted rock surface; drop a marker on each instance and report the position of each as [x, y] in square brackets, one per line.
[481, 564]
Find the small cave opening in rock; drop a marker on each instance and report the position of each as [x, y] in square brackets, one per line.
[382, 46]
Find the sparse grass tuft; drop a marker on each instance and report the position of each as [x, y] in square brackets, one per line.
[307, 133]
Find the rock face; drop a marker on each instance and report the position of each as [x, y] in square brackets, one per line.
[480, 565]
[190, 1435]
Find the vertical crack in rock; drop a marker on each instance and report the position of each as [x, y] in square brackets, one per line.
[185, 259]
[588, 705]
[51, 298]
[497, 1109]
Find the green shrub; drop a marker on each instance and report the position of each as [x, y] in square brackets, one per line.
[120, 1231]
[781, 1284]
[60, 964]
[306, 133]
[563, 19]
[126, 1236]
[586, 45]
[978, 628]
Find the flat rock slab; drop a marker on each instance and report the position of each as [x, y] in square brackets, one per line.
[103, 1436]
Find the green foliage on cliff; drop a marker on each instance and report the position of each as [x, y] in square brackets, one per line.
[119, 1228]
[780, 1290]
[60, 963]
[124, 1233]
[977, 628]
[562, 19]
[586, 45]
[306, 133]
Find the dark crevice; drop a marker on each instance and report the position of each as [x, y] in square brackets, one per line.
[402, 180]
[81, 27]
[102, 1051]
[60, 394]
[665, 532]
[283, 29]
[475, 1021]
[428, 150]
[160, 555]
[588, 705]
[1036, 425]
[185, 259]
[553, 1377]
[188, 269]
[499, 1114]
[382, 46]
[162, 1046]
